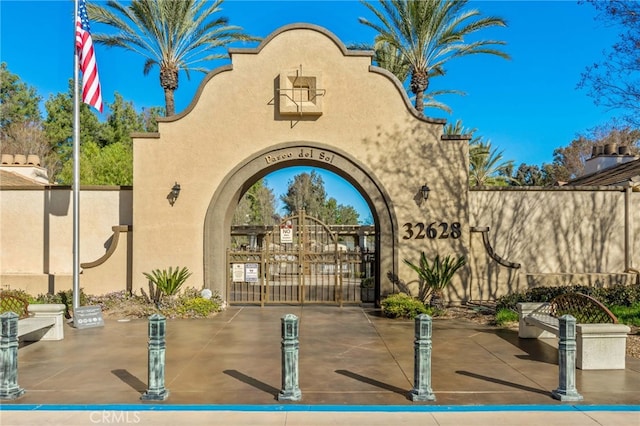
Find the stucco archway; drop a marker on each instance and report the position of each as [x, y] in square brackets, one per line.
[228, 193]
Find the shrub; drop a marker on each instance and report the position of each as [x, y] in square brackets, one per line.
[617, 295]
[167, 282]
[401, 305]
[190, 304]
[504, 316]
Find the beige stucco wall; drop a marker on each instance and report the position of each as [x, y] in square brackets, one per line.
[233, 126]
[36, 233]
[558, 235]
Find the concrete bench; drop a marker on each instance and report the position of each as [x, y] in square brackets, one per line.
[599, 346]
[47, 323]
[35, 321]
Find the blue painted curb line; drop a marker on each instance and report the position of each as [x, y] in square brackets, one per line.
[317, 408]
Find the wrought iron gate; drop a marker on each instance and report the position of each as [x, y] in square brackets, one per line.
[299, 261]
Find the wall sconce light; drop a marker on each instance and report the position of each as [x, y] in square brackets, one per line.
[173, 195]
[425, 192]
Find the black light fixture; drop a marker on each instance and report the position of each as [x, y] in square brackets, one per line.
[173, 195]
[425, 191]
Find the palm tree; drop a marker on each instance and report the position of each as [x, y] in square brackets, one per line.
[486, 167]
[429, 33]
[458, 128]
[388, 57]
[174, 35]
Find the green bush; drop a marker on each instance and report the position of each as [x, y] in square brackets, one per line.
[401, 305]
[618, 295]
[505, 316]
[189, 304]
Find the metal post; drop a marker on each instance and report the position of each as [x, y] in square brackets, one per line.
[76, 171]
[567, 361]
[157, 332]
[422, 364]
[290, 345]
[9, 388]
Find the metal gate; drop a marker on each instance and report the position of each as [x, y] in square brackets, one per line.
[299, 261]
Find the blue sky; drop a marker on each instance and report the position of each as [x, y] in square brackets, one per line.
[526, 107]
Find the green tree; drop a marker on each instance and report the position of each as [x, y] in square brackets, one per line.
[173, 35]
[122, 120]
[148, 118]
[306, 192]
[257, 206]
[18, 101]
[430, 33]
[106, 152]
[339, 214]
[58, 126]
[21, 129]
[109, 165]
[530, 175]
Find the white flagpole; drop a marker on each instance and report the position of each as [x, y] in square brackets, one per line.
[76, 170]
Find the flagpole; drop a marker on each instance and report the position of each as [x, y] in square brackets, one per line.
[76, 170]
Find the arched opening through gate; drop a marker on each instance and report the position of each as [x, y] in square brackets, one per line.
[302, 260]
[218, 225]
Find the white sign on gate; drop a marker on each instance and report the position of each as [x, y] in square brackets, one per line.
[238, 272]
[251, 272]
[286, 232]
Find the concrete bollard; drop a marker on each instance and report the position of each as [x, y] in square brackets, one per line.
[422, 361]
[157, 333]
[290, 346]
[9, 388]
[567, 361]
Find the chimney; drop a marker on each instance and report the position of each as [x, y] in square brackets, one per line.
[606, 157]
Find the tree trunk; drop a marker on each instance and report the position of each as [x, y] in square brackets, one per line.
[169, 82]
[437, 301]
[170, 106]
[419, 101]
[418, 84]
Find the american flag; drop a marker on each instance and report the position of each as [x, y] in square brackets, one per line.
[91, 93]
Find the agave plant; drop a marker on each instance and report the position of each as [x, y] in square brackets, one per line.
[167, 282]
[436, 276]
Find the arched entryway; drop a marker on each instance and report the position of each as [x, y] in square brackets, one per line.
[226, 197]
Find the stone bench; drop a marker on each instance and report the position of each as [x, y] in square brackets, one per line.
[600, 341]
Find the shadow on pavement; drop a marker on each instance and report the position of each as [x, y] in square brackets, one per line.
[370, 381]
[253, 382]
[502, 382]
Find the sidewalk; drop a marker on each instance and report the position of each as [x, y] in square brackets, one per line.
[349, 357]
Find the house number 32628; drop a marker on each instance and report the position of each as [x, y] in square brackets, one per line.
[419, 231]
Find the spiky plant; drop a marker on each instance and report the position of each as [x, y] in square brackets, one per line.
[436, 276]
[167, 282]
